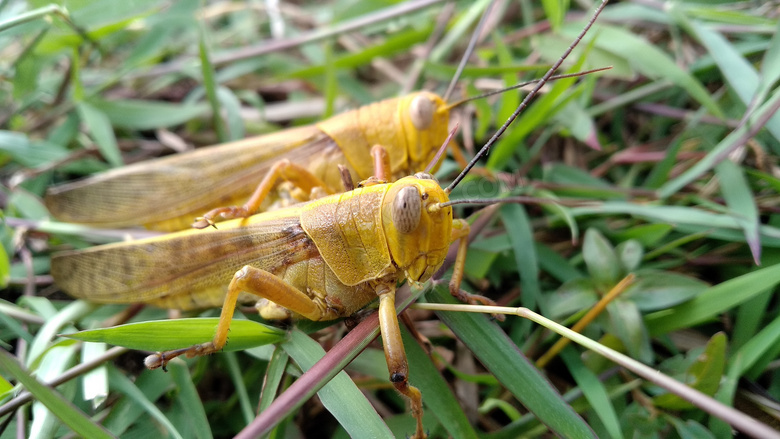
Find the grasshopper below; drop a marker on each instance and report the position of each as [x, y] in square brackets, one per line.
[321, 260]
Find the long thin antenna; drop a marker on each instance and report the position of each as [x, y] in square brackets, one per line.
[469, 50]
[525, 102]
[518, 200]
[521, 85]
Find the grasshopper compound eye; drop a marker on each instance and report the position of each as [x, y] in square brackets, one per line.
[421, 112]
[407, 209]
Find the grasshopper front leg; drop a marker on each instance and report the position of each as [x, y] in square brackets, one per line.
[395, 355]
[460, 231]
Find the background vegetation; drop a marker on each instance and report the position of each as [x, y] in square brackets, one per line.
[676, 149]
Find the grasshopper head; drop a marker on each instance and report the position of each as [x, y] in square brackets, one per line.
[417, 235]
[424, 120]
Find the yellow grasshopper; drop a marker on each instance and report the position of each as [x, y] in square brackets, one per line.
[188, 184]
[166, 193]
[321, 260]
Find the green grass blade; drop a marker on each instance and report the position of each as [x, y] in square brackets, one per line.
[94, 386]
[749, 318]
[742, 204]
[210, 84]
[52, 363]
[594, 391]
[680, 216]
[437, 396]
[542, 109]
[767, 339]
[190, 400]
[497, 352]
[740, 75]
[647, 59]
[35, 14]
[137, 114]
[123, 384]
[461, 26]
[770, 69]
[99, 127]
[391, 46]
[232, 106]
[713, 301]
[54, 323]
[520, 233]
[5, 268]
[240, 387]
[165, 335]
[273, 377]
[555, 11]
[340, 396]
[331, 85]
[152, 385]
[63, 409]
[735, 139]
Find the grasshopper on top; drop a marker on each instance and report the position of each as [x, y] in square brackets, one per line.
[169, 193]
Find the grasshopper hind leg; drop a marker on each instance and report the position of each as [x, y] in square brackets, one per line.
[260, 283]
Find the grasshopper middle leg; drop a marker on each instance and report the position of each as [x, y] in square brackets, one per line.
[283, 169]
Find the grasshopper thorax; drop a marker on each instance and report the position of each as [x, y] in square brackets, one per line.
[418, 236]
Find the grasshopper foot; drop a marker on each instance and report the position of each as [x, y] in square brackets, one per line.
[223, 212]
[371, 181]
[474, 299]
[161, 359]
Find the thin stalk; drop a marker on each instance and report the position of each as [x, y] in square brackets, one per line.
[735, 418]
[68, 375]
[591, 315]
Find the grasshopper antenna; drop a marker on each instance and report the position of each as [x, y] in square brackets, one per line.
[521, 85]
[442, 148]
[514, 200]
[482, 152]
[518, 200]
[469, 49]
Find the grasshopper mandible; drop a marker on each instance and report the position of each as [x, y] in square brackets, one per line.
[320, 260]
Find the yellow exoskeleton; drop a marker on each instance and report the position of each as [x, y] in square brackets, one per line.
[168, 193]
